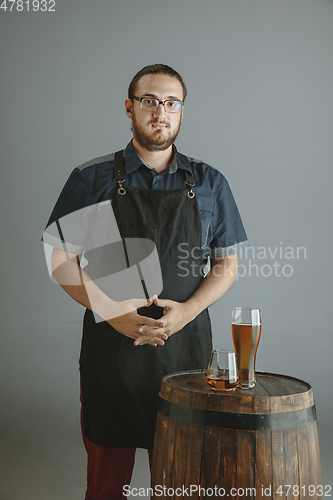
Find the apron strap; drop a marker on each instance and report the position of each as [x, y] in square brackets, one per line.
[188, 175]
[119, 173]
[119, 177]
[188, 178]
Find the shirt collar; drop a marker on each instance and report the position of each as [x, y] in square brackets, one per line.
[133, 161]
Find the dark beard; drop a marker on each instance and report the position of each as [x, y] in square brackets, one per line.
[148, 142]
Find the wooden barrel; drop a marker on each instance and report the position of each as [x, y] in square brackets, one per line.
[258, 443]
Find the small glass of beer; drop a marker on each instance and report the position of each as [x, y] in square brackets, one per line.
[246, 331]
[222, 373]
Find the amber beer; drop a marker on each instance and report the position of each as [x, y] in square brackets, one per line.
[221, 382]
[222, 370]
[246, 340]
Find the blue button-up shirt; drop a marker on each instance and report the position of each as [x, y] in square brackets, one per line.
[92, 183]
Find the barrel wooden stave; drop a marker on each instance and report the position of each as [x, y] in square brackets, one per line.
[292, 465]
[263, 462]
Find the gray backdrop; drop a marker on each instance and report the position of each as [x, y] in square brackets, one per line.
[259, 75]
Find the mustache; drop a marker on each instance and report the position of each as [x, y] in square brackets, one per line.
[159, 122]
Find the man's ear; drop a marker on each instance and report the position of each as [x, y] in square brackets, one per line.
[129, 108]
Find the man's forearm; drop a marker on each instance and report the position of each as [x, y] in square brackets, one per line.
[122, 315]
[77, 284]
[214, 286]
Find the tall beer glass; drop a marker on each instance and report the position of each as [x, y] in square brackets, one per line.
[246, 331]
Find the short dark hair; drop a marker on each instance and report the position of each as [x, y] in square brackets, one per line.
[155, 69]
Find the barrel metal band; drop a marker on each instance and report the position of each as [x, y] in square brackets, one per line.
[238, 421]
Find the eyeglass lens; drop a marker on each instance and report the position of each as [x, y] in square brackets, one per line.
[170, 106]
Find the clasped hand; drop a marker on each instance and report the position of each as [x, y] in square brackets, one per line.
[152, 331]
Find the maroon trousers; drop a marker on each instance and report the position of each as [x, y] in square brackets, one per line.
[109, 470]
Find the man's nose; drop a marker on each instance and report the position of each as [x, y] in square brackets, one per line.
[160, 111]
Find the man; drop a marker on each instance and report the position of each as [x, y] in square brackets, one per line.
[186, 208]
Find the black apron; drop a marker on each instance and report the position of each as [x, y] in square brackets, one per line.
[120, 382]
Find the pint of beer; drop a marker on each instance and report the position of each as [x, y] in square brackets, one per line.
[246, 331]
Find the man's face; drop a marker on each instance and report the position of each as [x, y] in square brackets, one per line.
[155, 130]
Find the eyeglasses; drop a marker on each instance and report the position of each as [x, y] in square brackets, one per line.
[150, 104]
